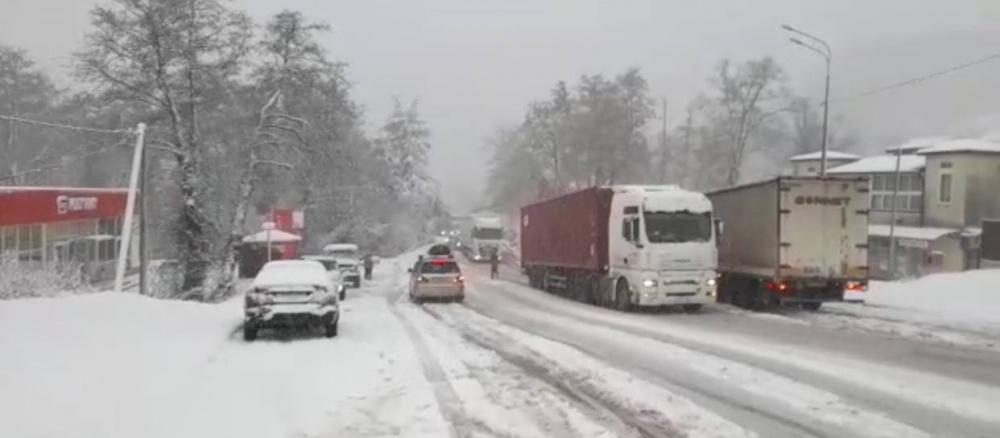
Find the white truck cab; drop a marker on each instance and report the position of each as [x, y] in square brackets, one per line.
[662, 246]
[487, 237]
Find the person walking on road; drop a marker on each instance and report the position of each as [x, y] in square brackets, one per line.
[368, 262]
[494, 265]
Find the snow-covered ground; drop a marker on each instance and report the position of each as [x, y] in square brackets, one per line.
[510, 362]
[961, 308]
[121, 365]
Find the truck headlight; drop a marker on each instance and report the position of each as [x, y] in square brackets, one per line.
[710, 282]
[649, 282]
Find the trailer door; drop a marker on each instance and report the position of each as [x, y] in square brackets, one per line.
[823, 228]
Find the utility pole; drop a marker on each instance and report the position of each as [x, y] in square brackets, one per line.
[663, 144]
[827, 55]
[129, 209]
[143, 217]
[892, 216]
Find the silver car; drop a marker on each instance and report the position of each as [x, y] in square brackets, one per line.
[437, 278]
[291, 293]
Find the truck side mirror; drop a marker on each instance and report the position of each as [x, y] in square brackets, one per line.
[718, 228]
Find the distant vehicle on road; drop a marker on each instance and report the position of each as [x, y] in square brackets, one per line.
[332, 271]
[487, 238]
[437, 279]
[291, 293]
[793, 240]
[622, 246]
[348, 260]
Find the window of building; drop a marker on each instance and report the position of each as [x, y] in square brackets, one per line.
[9, 236]
[944, 189]
[909, 198]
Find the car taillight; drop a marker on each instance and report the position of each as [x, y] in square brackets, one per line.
[778, 286]
[459, 279]
[254, 299]
[855, 286]
[422, 279]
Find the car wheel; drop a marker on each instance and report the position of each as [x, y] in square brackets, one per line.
[330, 329]
[249, 332]
[692, 308]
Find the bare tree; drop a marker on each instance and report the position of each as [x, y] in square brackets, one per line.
[173, 56]
[747, 97]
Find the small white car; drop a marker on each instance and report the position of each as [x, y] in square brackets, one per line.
[347, 259]
[332, 271]
[437, 278]
[291, 293]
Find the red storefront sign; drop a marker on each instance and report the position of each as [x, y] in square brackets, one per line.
[283, 221]
[36, 205]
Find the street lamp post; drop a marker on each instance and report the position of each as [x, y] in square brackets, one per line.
[827, 55]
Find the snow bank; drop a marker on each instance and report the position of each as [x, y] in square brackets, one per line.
[968, 300]
[122, 366]
[19, 280]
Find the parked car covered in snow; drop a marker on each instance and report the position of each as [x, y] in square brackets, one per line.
[291, 293]
[347, 259]
[436, 278]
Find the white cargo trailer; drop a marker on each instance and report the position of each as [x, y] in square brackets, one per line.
[792, 240]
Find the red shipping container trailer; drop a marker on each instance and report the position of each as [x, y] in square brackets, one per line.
[570, 231]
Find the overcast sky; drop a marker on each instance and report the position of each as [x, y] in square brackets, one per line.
[474, 65]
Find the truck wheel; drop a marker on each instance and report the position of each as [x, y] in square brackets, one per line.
[622, 295]
[343, 295]
[249, 332]
[812, 307]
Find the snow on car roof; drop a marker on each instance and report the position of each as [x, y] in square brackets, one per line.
[830, 155]
[289, 272]
[341, 247]
[962, 145]
[881, 164]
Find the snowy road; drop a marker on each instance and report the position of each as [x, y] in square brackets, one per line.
[509, 362]
[775, 374]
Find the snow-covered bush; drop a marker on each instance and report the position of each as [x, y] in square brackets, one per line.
[23, 280]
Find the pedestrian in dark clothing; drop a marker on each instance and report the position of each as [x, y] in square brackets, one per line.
[368, 266]
[494, 265]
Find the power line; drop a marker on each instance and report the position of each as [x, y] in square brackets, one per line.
[67, 127]
[919, 79]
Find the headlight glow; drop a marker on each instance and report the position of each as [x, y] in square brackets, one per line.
[648, 283]
[710, 282]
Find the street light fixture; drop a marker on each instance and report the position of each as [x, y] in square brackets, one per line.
[827, 55]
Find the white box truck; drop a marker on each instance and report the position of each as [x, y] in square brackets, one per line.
[792, 240]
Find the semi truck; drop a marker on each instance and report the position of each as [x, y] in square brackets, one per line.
[487, 237]
[792, 240]
[623, 247]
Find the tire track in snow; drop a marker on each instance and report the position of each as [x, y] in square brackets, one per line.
[448, 402]
[642, 427]
[757, 408]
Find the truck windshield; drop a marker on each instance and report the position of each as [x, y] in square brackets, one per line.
[487, 233]
[678, 226]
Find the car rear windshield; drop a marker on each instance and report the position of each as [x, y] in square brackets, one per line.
[439, 267]
[439, 250]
